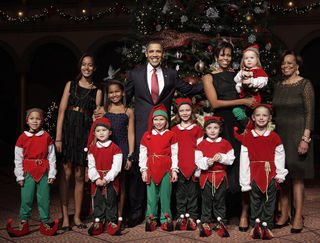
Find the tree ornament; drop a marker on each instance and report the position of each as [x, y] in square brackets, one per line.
[190, 79]
[199, 66]
[178, 54]
[212, 13]
[252, 38]
[210, 48]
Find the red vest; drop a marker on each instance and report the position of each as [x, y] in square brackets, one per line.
[261, 150]
[104, 159]
[216, 173]
[187, 143]
[159, 154]
[35, 154]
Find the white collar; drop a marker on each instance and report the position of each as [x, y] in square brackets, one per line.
[150, 68]
[154, 132]
[218, 140]
[186, 128]
[265, 134]
[38, 134]
[105, 144]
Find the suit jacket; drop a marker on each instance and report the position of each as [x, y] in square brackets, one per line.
[137, 86]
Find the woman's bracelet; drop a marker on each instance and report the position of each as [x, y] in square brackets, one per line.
[59, 141]
[306, 139]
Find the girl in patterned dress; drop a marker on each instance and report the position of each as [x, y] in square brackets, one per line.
[122, 120]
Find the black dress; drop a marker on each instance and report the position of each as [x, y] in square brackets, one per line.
[76, 123]
[119, 125]
[225, 89]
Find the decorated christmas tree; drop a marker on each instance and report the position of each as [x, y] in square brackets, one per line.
[190, 30]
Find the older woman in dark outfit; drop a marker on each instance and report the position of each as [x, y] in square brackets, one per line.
[293, 102]
[220, 90]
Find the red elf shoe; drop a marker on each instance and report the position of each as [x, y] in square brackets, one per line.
[191, 225]
[167, 226]
[49, 229]
[96, 228]
[181, 223]
[151, 224]
[256, 232]
[23, 229]
[221, 229]
[114, 229]
[204, 229]
[266, 232]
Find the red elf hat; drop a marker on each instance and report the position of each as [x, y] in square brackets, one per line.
[215, 119]
[268, 106]
[158, 110]
[181, 101]
[102, 121]
[254, 48]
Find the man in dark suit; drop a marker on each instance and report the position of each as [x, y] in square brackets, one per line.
[140, 85]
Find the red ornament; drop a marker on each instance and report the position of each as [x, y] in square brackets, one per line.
[210, 48]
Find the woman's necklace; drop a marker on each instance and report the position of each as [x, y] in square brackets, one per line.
[84, 96]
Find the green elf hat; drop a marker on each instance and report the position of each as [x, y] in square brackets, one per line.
[254, 48]
[158, 110]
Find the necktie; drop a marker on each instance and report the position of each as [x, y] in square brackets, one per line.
[154, 86]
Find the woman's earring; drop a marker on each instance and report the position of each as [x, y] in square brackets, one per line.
[297, 72]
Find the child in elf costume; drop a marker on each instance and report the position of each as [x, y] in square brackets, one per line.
[104, 165]
[158, 162]
[35, 170]
[249, 80]
[213, 155]
[189, 134]
[262, 166]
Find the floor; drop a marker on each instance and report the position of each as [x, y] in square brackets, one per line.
[10, 200]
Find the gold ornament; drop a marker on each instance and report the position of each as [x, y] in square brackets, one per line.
[199, 66]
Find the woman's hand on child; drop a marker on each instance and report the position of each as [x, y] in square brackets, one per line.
[21, 183]
[250, 102]
[128, 165]
[303, 147]
[174, 176]
[99, 112]
[50, 181]
[144, 176]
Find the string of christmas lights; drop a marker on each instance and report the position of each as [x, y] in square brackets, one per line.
[295, 10]
[51, 10]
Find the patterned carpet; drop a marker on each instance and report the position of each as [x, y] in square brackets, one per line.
[10, 200]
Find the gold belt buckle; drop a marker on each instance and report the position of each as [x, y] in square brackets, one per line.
[76, 108]
[39, 162]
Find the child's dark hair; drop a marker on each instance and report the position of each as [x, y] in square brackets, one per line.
[106, 91]
[78, 77]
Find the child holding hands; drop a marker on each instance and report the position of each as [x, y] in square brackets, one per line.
[157, 159]
[213, 155]
[104, 162]
[262, 162]
[35, 169]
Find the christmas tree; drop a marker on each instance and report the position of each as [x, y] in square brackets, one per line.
[190, 29]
